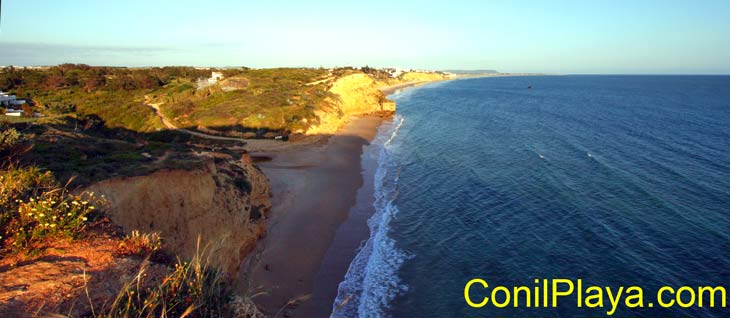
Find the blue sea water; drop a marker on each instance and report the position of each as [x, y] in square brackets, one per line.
[616, 180]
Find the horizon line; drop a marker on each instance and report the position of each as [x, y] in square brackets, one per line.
[403, 68]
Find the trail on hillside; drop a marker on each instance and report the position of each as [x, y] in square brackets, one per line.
[170, 125]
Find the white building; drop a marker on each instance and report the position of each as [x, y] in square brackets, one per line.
[14, 112]
[10, 100]
[215, 77]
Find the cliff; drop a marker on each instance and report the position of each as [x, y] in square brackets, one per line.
[224, 203]
[355, 94]
[422, 77]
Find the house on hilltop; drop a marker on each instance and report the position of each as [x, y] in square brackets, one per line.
[215, 77]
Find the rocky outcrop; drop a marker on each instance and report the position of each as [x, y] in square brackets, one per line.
[224, 203]
[356, 94]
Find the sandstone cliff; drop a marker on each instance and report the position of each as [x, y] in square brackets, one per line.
[223, 202]
[356, 94]
[422, 77]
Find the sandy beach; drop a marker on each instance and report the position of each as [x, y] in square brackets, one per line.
[314, 187]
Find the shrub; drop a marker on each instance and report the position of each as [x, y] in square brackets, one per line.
[9, 137]
[17, 185]
[255, 213]
[242, 184]
[51, 215]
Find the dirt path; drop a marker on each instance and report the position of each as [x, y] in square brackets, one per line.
[320, 81]
[170, 125]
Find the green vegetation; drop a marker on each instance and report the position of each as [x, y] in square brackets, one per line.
[247, 100]
[52, 215]
[34, 207]
[273, 99]
[84, 149]
[114, 94]
[97, 126]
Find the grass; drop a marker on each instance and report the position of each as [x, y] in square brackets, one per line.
[141, 244]
[191, 289]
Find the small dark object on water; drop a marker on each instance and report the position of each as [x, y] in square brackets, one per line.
[529, 87]
[267, 267]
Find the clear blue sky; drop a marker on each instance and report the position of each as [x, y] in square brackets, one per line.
[622, 36]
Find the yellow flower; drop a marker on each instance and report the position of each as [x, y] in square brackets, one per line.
[30, 214]
[84, 218]
[91, 208]
[85, 202]
[53, 225]
[41, 215]
[75, 203]
[46, 224]
[69, 214]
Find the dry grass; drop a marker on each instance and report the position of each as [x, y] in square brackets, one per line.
[140, 243]
[192, 289]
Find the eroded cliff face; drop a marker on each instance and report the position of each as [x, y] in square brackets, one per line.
[224, 203]
[357, 94]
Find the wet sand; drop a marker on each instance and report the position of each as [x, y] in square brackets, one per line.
[297, 268]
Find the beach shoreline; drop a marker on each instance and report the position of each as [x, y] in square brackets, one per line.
[322, 198]
[314, 187]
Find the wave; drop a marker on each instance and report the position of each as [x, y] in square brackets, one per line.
[394, 134]
[371, 281]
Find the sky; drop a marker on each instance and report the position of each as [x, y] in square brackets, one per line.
[550, 36]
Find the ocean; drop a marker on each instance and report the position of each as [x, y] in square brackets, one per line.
[614, 180]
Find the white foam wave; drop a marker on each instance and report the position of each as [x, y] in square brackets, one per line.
[396, 129]
[371, 281]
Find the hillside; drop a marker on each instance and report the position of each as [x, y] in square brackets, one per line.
[245, 103]
[146, 170]
[83, 207]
